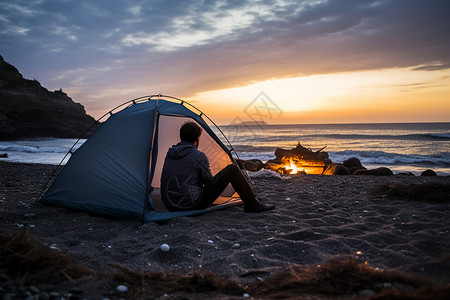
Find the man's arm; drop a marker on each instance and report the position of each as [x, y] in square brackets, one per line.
[204, 169]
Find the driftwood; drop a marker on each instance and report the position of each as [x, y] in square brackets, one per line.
[302, 153]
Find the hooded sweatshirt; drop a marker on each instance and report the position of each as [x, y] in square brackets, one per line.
[185, 171]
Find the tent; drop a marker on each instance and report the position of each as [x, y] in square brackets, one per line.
[116, 172]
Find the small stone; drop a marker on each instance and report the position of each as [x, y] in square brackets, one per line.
[44, 296]
[76, 291]
[366, 293]
[7, 296]
[232, 265]
[4, 277]
[321, 209]
[122, 288]
[33, 289]
[210, 242]
[236, 245]
[246, 295]
[54, 294]
[165, 248]
[387, 285]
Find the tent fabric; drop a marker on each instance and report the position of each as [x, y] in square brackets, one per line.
[110, 174]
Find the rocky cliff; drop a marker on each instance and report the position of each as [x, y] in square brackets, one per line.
[28, 110]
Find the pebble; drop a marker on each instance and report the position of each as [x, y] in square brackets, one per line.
[165, 248]
[236, 245]
[246, 295]
[321, 209]
[366, 293]
[122, 288]
[210, 241]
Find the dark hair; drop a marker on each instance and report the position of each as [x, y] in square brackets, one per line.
[190, 132]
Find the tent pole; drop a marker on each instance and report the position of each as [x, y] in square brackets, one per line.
[150, 161]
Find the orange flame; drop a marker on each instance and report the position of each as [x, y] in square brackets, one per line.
[293, 167]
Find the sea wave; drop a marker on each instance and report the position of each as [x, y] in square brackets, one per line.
[33, 149]
[342, 136]
[408, 137]
[383, 158]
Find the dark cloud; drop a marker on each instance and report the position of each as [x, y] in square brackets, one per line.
[89, 45]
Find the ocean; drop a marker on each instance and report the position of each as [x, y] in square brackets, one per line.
[402, 147]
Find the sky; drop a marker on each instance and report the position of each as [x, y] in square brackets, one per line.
[310, 61]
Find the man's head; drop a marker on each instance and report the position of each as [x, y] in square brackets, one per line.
[190, 132]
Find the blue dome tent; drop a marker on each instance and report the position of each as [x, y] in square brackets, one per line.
[116, 172]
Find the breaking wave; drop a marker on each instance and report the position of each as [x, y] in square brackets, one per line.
[383, 158]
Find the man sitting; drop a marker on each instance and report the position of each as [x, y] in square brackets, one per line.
[187, 182]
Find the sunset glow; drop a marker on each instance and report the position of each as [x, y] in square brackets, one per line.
[391, 95]
[319, 61]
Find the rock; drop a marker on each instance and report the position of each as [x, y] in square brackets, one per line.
[382, 171]
[251, 165]
[271, 166]
[354, 169]
[336, 169]
[3, 155]
[428, 173]
[366, 293]
[236, 245]
[29, 110]
[353, 163]
[405, 174]
[122, 288]
[165, 248]
[327, 161]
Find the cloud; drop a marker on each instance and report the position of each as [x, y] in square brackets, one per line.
[185, 47]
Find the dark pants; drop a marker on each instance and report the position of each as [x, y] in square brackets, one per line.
[229, 174]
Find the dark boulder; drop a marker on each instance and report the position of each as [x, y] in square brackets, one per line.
[250, 165]
[352, 170]
[405, 174]
[382, 171]
[353, 163]
[428, 173]
[336, 169]
[28, 110]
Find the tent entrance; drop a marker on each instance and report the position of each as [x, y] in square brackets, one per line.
[168, 134]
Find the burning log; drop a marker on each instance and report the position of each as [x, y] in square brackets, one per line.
[301, 152]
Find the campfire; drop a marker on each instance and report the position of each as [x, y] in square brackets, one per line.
[290, 166]
[298, 165]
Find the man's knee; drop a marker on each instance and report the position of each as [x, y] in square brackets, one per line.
[232, 169]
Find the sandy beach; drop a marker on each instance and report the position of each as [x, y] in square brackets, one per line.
[317, 219]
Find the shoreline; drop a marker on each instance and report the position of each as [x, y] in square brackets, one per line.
[317, 218]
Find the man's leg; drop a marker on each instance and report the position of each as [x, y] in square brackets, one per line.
[230, 174]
